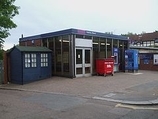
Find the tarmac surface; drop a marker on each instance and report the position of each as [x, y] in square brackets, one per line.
[139, 88]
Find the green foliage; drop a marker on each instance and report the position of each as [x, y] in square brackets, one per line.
[129, 34]
[7, 11]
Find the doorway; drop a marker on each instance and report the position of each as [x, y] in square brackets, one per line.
[83, 62]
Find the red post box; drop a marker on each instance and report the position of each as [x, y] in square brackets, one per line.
[105, 66]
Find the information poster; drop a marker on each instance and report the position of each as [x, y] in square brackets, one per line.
[156, 59]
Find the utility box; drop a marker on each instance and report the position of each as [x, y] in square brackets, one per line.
[131, 60]
[105, 66]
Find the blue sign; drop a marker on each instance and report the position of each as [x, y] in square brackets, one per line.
[146, 61]
[115, 54]
[116, 50]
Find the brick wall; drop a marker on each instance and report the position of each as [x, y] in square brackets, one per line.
[37, 43]
[30, 43]
[149, 66]
[22, 43]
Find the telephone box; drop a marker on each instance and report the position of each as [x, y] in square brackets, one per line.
[131, 60]
[115, 56]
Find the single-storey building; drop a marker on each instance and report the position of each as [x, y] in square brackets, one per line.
[74, 51]
[27, 64]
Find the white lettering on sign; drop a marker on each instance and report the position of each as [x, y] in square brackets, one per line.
[108, 62]
[90, 32]
[108, 66]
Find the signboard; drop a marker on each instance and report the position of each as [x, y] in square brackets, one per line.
[86, 32]
[146, 61]
[115, 54]
[146, 56]
[155, 59]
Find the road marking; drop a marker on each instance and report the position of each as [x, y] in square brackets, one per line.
[134, 73]
[107, 99]
[109, 95]
[135, 107]
[137, 73]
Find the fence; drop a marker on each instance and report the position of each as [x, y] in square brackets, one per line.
[1, 72]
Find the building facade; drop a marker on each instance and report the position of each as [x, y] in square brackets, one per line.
[74, 51]
[147, 46]
[144, 39]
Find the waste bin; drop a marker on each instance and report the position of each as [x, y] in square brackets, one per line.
[105, 66]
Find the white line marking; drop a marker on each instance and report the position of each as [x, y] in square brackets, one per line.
[109, 95]
[137, 107]
[134, 73]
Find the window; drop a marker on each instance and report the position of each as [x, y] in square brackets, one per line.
[138, 44]
[58, 60]
[144, 44]
[33, 58]
[109, 47]
[27, 60]
[148, 43]
[44, 42]
[30, 60]
[65, 54]
[102, 53]
[152, 43]
[44, 60]
[88, 37]
[79, 36]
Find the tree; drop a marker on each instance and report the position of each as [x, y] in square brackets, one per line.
[129, 34]
[7, 11]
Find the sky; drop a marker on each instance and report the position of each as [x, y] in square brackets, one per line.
[117, 16]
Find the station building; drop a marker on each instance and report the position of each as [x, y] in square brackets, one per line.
[74, 51]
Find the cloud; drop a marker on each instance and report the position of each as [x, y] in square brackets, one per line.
[118, 16]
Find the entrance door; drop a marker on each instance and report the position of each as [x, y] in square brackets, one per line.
[83, 62]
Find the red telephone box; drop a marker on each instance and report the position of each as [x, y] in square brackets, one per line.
[105, 66]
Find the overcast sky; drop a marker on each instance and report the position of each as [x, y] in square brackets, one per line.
[117, 16]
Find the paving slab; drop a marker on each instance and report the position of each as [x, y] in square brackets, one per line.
[128, 87]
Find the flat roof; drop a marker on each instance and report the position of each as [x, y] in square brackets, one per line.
[30, 49]
[74, 31]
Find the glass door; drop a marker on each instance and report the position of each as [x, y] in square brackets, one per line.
[83, 62]
[79, 62]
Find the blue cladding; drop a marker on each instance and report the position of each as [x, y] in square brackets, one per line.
[30, 74]
[74, 31]
[21, 74]
[37, 73]
[98, 34]
[46, 71]
[47, 35]
[63, 32]
[16, 66]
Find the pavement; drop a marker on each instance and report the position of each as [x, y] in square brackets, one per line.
[143, 94]
[139, 88]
